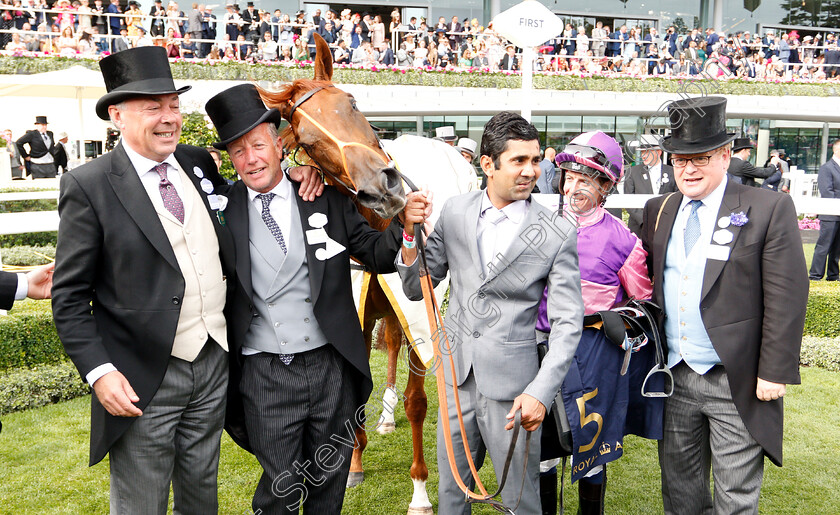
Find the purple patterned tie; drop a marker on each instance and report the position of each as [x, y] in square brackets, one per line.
[171, 201]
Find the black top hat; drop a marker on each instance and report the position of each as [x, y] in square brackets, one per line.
[250, 4]
[135, 72]
[237, 110]
[697, 125]
[41, 119]
[741, 144]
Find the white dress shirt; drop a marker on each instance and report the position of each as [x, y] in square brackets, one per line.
[655, 174]
[496, 240]
[280, 207]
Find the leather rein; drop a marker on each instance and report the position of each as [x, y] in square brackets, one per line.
[437, 328]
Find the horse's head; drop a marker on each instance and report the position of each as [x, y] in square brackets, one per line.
[325, 122]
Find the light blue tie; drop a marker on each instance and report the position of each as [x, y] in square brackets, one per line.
[692, 226]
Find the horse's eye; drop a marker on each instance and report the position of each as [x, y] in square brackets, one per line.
[353, 105]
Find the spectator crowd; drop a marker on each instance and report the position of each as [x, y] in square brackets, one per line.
[78, 28]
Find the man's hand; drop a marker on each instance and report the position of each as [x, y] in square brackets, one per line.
[533, 412]
[311, 184]
[40, 282]
[116, 395]
[767, 391]
[418, 207]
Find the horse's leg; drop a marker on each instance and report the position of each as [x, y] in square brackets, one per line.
[415, 410]
[390, 337]
[357, 472]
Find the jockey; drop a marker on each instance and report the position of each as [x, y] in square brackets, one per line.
[612, 270]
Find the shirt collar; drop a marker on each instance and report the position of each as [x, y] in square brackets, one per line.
[713, 199]
[282, 190]
[144, 165]
[515, 211]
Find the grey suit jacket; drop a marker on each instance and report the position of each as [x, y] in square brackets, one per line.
[828, 180]
[491, 318]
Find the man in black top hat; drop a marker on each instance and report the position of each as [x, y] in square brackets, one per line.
[158, 14]
[729, 271]
[299, 368]
[142, 240]
[39, 159]
[251, 20]
[744, 172]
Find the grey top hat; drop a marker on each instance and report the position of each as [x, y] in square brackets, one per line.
[446, 133]
[467, 145]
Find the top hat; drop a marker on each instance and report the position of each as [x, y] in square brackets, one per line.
[467, 145]
[135, 72]
[250, 4]
[236, 111]
[741, 144]
[446, 133]
[647, 141]
[697, 125]
[41, 120]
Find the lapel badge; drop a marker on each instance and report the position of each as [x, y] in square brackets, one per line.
[206, 186]
[220, 215]
[724, 222]
[198, 172]
[723, 237]
[319, 235]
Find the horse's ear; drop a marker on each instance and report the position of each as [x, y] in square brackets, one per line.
[323, 59]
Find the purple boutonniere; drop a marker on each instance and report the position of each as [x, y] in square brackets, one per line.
[738, 219]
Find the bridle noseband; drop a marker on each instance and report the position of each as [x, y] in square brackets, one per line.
[341, 144]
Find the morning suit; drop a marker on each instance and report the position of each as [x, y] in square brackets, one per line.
[299, 303]
[749, 304]
[828, 242]
[639, 181]
[8, 288]
[747, 173]
[41, 162]
[490, 329]
[146, 276]
[508, 63]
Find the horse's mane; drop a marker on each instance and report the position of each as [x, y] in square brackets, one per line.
[280, 99]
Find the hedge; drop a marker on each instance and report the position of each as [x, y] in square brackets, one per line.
[27, 255]
[821, 352]
[472, 78]
[823, 315]
[33, 239]
[29, 339]
[22, 206]
[46, 384]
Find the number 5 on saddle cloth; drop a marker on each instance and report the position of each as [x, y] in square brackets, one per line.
[604, 395]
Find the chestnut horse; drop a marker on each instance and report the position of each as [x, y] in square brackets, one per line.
[325, 124]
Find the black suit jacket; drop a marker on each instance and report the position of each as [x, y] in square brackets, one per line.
[828, 180]
[332, 292]
[753, 304]
[748, 173]
[638, 181]
[505, 62]
[113, 254]
[37, 148]
[8, 288]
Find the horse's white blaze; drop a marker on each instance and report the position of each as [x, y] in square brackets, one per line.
[420, 499]
[389, 404]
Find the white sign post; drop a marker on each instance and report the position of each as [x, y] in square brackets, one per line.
[527, 25]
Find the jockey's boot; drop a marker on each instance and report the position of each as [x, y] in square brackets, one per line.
[548, 493]
[591, 494]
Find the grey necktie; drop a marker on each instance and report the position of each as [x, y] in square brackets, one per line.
[269, 220]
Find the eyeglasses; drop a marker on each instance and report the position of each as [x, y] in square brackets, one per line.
[682, 162]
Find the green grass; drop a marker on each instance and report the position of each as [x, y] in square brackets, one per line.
[44, 452]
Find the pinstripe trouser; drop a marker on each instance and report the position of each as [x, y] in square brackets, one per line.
[176, 441]
[703, 429]
[300, 421]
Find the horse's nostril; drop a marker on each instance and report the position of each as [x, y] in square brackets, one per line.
[392, 180]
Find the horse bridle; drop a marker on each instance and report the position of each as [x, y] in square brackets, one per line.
[341, 144]
[435, 322]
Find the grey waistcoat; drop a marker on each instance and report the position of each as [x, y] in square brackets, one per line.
[286, 322]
